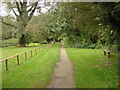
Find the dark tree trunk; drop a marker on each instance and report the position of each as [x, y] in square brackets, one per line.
[22, 41]
[21, 30]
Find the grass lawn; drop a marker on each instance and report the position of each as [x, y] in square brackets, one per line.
[92, 69]
[33, 73]
[12, 50]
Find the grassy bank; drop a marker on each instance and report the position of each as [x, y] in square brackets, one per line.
[92, 69]
[33, 73]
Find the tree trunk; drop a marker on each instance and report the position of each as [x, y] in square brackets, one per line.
[21, 30]
[22, 41]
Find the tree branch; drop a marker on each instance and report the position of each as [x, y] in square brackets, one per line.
[30, 4]
[20, 2]
[30, 8]
[31, 14]
[18, 7]
[14, 12]
[8, 24]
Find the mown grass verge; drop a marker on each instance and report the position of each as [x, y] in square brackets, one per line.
[33, 73]
[12, 50]
[92, 69]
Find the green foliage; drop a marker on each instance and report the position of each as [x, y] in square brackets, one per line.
[54, 28]
[81, 27]
[83, 45]
[112, 18]
[95, 46]
[82, 24]
[91, 25]
[22, 40]
[25, 39]
[7, 30]
[116, 11]
[36, 28]
[112, 48]
[10, 42]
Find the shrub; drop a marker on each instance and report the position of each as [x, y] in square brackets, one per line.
[10, 42]
[112, 48]
[83, 45]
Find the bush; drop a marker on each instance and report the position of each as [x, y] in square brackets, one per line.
[10, 42]
[92, 46]
[25, 39]
[83, 45]
[112, 48]
[95, 46]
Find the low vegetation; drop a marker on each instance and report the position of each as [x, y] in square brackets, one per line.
[92, 69]
[10, 42]
[12, 50]
[33, 73]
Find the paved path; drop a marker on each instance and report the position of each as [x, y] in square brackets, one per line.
[63, 74]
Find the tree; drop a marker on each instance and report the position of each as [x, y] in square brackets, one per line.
[36, 28]
[112, 18]
[82, 22]
[23, 12]
[23, 17]
[8, 31]
[54, 24]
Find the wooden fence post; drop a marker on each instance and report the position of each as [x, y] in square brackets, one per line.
[108, 54]
[6, 62]
[104, 52]
[25, 56]
[35, 51]
[31, 53]
[17, 59]
[39, 49]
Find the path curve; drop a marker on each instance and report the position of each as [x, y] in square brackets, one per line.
[63, 74]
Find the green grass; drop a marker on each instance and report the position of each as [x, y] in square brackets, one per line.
[33, 73]
[12, 50]
[34, 44]
[91, 69]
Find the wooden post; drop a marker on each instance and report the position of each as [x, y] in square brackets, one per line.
[31, 53]
[35, 51]
[104, 52]
[25, 56]
[108, 54]
[6, 62]
[39, 49]
[17, 59]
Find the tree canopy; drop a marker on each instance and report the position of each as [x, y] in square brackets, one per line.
[81, 24]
